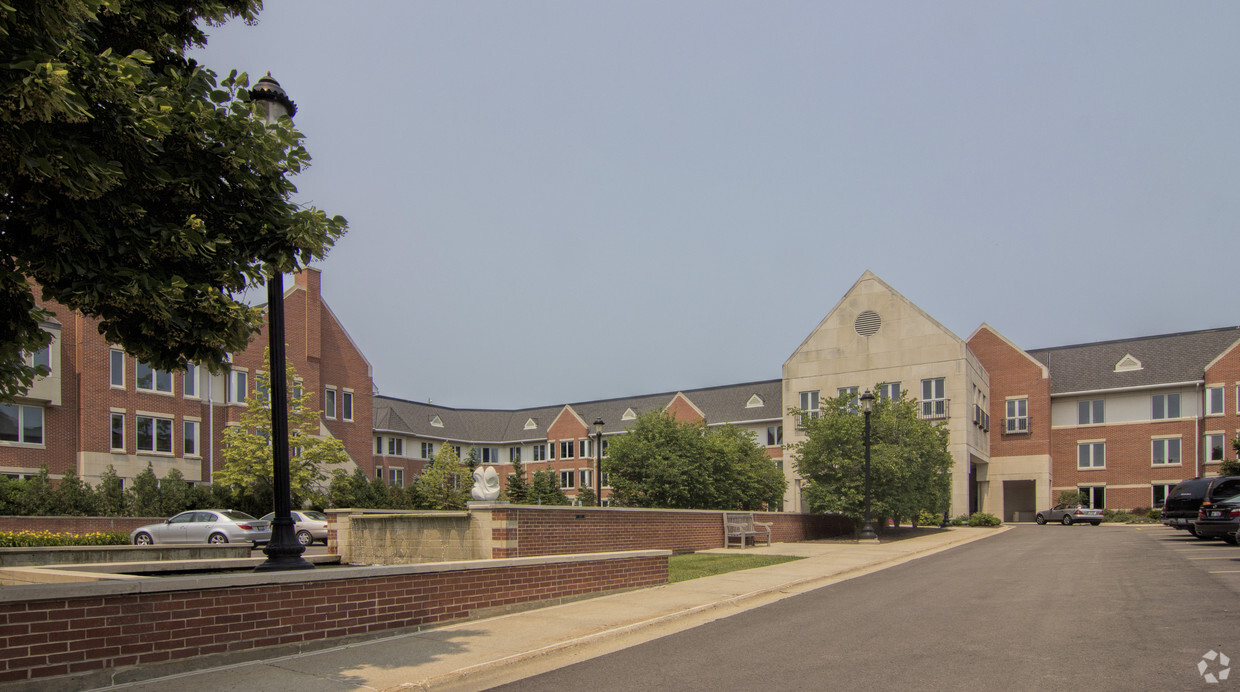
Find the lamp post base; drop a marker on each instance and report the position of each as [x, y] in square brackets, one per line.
[868, 535]
[283, 551]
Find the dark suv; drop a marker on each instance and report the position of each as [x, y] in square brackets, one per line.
[1185, 500]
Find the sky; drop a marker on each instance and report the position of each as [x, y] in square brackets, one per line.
[560, 201]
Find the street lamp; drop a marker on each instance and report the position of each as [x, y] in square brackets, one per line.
[598, 461]
[867, 405]
[283, 550]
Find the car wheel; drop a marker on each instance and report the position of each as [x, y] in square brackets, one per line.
[143, 539]
[1192, 530]
[217, 539]
[304, 538]
[1230, 539]
[1067, 520]
[1040, 519]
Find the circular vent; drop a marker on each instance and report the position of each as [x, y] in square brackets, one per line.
[867, 323]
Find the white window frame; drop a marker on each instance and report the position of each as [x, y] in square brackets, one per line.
[329, 402]
[155, 374]
[396, 447]
[1163, 402]
[934, 398]
[1166, 490]
[155, 420]
[1090, 490]
[1213, 407]
[20, 414]
[810, 403]
[191, 435]
[1016, 421]
[567, 449]
[396, 477]
[776, 433]
[1164, 446]
[1209, 447]
[1093, 446]
[1091, 412]
[889, 390]
[113, 417]
[189, 381]
[569, 475]
[586, 478]
[238, 385]
[514, 454]
[116, 368]
[346, 405]
[540, 452]
[428, 450]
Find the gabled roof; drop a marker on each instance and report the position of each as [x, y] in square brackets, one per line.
[1165, 359]
[725, 404]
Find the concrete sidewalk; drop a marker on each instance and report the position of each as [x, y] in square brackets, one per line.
[477, 654]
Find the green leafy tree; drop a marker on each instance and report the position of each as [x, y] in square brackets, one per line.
[174, 493]
[517, 489]
[909, 462]
[545, 489]
[134, 187]
[1231, 467]
[74, 497]
[35, 496]
[247, 447]
[144, 498]
[110, 494]
[662, 462]
[587, 498]
[1071, 497]
[441, 484]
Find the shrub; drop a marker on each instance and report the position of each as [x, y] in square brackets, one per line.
[984, 519]
[928, 518]
[41, 539]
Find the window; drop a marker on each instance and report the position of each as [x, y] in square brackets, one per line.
[602, 477]
[1090, 412]
[889, 390]
[116, 360]
[396, 447]
[1093, 496]
[428, 450]
[587, 478]
[1017, 416]
[41, 357]
[346, 405]
[153, 434]
[149, 379]
[933, 398]
[457, 449]
[1214, 401]
[396, 478]
[566, 450]
[1215, 446]
[566, 479]
[1166, 406]
[189, 381]
[514, 454]
[237, 386]
[774, 435]
[540, 452]
[488, 455]
[851, 393]
[189, 435]
[1091, 455]
[1159, 493]
[21, 424]
[1166, 451]
[809, 404]
[329, 402]
[378, 444]
[379, 472]
[118, 431]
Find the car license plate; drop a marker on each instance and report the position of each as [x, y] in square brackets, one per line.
[1216, 514]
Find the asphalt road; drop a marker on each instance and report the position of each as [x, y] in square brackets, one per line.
[1037, 608]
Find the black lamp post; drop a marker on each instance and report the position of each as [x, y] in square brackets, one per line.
[598, 461]
[867, 405]
[283, 551]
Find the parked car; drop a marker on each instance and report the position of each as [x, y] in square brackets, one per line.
[310, 526]
[1185, 500]
[1219, 519]
[204, 526]
[1070, 514]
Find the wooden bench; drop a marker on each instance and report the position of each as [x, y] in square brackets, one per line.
[739, 527]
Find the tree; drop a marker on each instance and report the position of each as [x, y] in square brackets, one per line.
[73, 497]
[1231, 467]
[517, 488]
[136, 189]
[145, 494]
[174, 493]
[662, 462]
[909, 463]
[440, 483]
[545, 490]
[247, 447]
[586, 497]
[110, 494]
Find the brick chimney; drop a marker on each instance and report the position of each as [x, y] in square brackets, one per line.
[309, 279]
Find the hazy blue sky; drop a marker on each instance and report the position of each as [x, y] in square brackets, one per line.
[561, 201]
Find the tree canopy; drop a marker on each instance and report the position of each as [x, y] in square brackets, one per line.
[247, 447]
[662, 462]
[134, 187]
[910, 467]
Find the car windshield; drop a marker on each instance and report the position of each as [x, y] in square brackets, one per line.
[237, 516]
[1234, 500]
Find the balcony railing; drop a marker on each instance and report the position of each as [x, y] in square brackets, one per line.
[1016, 426]
[934, 409]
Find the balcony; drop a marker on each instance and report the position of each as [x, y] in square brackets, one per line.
[934, 409]
[1016, 426]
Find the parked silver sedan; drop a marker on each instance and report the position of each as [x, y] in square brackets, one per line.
[204, 526]
[1069, 515]
[310, 526]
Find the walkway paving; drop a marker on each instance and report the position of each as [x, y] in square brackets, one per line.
[479, 654]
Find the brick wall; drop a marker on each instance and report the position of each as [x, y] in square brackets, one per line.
[1013, 373]
[75, 524]
[97, 639]
[1224, 371]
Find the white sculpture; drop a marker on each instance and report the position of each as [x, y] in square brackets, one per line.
[486, 484]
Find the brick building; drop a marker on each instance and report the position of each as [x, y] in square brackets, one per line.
[100, 406]
[1121, 421]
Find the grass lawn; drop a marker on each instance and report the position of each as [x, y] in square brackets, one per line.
[694, 565]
